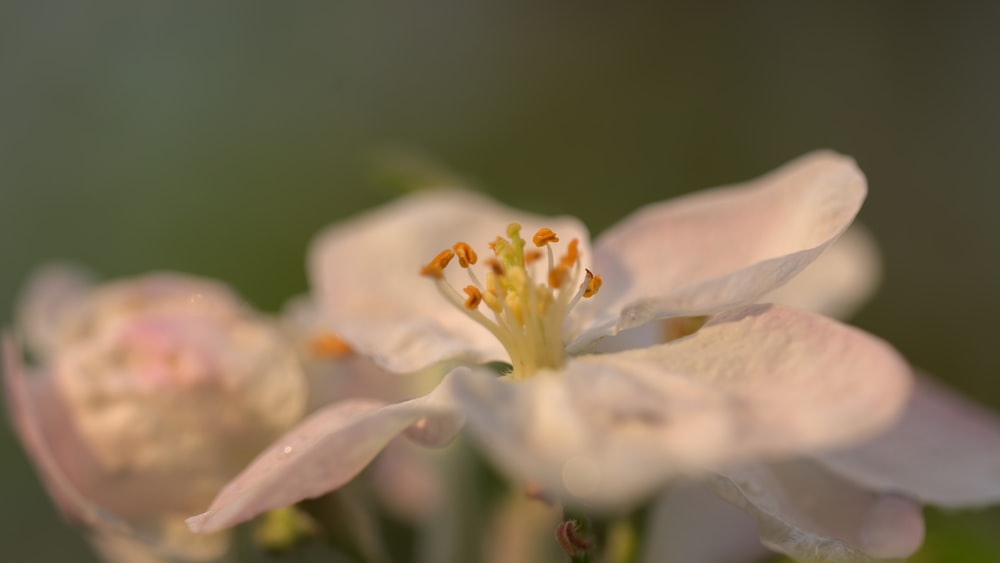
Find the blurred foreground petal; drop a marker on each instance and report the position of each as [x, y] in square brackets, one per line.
[813, 515]
[945, 450]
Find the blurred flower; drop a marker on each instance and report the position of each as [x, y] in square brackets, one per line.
[147, 395]
[595, 430]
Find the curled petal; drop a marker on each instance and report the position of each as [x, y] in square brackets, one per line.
[722, 248]
[324, 452]
[812, 514]
[944, 450]
[762, 381]
[365, 274]
[839, 281]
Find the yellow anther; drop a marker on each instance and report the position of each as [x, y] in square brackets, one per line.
[435, 268]
[491, 300]
[327, 345]
[572, 254]
[513, 302]
[475, 297]
[465, 254]
[557, 276]
[593, 284]
[544, 236]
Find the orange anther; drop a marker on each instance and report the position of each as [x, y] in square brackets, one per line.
[557, 276]
[593, 284]
[531, 255]
[465, 254]
[475, 297]
[435, 268]
[494, 265]
[544, 236]
[327, 345]
[572, 253]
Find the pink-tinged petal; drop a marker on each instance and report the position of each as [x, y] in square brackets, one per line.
[812, 514]
[840, 281]
[116, 510]
[945, 450]
[324, 452]
[43, 426]
[50, 292]
[688, 524]
[787, 380]
[365, 274]
[716, 249]
[762, 381]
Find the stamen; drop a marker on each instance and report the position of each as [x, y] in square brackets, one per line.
[593, 284]
[557, 276]
[572, 254]
[465, 254]
[494, 265]
[544, 236]
[474, 299]
[327, 345]
[531, 256]
[435, 268]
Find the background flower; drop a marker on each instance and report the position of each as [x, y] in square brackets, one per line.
[145, 396]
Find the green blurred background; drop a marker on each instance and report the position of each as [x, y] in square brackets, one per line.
[216, 138]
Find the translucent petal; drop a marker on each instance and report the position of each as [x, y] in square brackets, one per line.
[716, 249]
[324, 452]
[813, 515]
[945, 450]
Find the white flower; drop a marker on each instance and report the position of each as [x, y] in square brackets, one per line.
[148, 395]
[597, 430]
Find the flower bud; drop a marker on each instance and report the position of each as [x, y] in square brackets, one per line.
[150, 394]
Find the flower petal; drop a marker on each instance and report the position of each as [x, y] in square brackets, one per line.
[47, 296]
[839, 281]
[324, 452]
[945, 450]
[763, 381]
[787, 379]
[365, 274]
[688, 524]
[721, 248]
[119, 512]
[811, 514]
[44, 428]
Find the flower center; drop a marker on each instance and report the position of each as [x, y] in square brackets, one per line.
[526, 315]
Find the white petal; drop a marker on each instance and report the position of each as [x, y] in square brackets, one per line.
[839, 281]
[586, 436]
[688, 524]
[765, 381]
[813, 515]
[721, 248]
[786, 380]
[945, 450]
[324, 452]
[365, 275]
